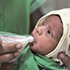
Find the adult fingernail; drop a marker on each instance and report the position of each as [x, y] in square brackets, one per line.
[18, 46]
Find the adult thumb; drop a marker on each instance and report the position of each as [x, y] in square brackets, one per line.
[64, 58]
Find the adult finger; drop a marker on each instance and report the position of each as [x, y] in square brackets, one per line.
[6, 66]
[8, 57]
[64, 58]
[10, 47]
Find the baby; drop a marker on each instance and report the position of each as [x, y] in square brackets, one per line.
[47, 35]
[52, 34]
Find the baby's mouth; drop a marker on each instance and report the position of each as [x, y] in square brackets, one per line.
[32, 43]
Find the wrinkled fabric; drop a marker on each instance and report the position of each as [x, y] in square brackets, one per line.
[31, 61]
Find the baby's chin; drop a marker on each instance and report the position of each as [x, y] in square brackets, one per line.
[33, 47]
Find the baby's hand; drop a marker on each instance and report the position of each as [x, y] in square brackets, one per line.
[9, 51]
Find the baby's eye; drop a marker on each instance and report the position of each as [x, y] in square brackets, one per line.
[49, 32]
[42, 23]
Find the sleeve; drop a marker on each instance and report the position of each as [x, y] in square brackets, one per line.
[36, 4]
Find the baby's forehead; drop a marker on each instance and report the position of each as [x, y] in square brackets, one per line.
[50, 17]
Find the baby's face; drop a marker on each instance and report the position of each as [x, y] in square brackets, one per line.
[47, 35]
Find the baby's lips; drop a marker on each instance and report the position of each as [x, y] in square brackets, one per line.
[31, 44]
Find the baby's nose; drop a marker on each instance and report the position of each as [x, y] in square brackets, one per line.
[39, 31]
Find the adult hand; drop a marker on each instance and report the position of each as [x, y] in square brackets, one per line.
[6, 66]
[9, 51]
[65, 59]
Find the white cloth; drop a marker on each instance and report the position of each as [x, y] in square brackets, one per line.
[64, 42]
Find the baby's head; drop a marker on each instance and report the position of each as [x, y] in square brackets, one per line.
[52, 34]
[47, 35]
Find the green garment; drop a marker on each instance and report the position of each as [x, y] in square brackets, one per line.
[14, 15]
[31, 61]
[36, 4]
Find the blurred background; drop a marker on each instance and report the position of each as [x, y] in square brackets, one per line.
[45, 7]
[54, 4]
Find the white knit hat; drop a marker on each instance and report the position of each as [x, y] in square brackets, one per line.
[64, 43]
